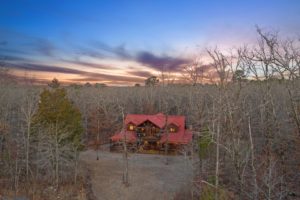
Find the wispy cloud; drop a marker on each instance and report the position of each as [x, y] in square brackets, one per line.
[43, 68]
[83, 75]
[119, 51]
[88, 64]
[96, 77]
[144, 58]
[144, 74]
[24, 44]
[44, 47]
[8, 58]
[89, 52]
[161, 62]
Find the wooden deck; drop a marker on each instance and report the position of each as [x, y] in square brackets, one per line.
[146, 149]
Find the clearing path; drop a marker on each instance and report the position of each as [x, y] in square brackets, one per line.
[149, 176]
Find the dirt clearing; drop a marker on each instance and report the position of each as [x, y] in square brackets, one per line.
[149, 177]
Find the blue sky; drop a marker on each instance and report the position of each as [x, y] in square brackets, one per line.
[123, 42]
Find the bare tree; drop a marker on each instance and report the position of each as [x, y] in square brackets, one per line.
[125, 150]
[28, 109]
[194, 72]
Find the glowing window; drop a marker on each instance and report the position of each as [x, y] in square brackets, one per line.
[172, 129]
[131, 127]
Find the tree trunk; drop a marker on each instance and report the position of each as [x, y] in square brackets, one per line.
[255, 192]
[98, 139]
[76, 166]
[125, 154]
[217, 160]
[56, 156]
[167, 140]
[125, 157]
[27, 148]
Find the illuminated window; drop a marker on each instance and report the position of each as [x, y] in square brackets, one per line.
[131, 127]
[172, 130]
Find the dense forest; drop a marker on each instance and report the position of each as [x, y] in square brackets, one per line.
[243, 109]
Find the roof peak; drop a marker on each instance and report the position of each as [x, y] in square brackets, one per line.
[160, 114]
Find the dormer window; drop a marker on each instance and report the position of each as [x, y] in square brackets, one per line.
[131, 127]
[172, 129]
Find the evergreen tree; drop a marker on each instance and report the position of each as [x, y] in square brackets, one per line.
[57, 112]
[60, 123]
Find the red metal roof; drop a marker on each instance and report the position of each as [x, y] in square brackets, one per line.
[158, 119]
[182, 136]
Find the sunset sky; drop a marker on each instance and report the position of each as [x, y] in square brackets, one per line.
[124, 42]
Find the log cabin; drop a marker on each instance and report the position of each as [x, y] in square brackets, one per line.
[151, 133]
